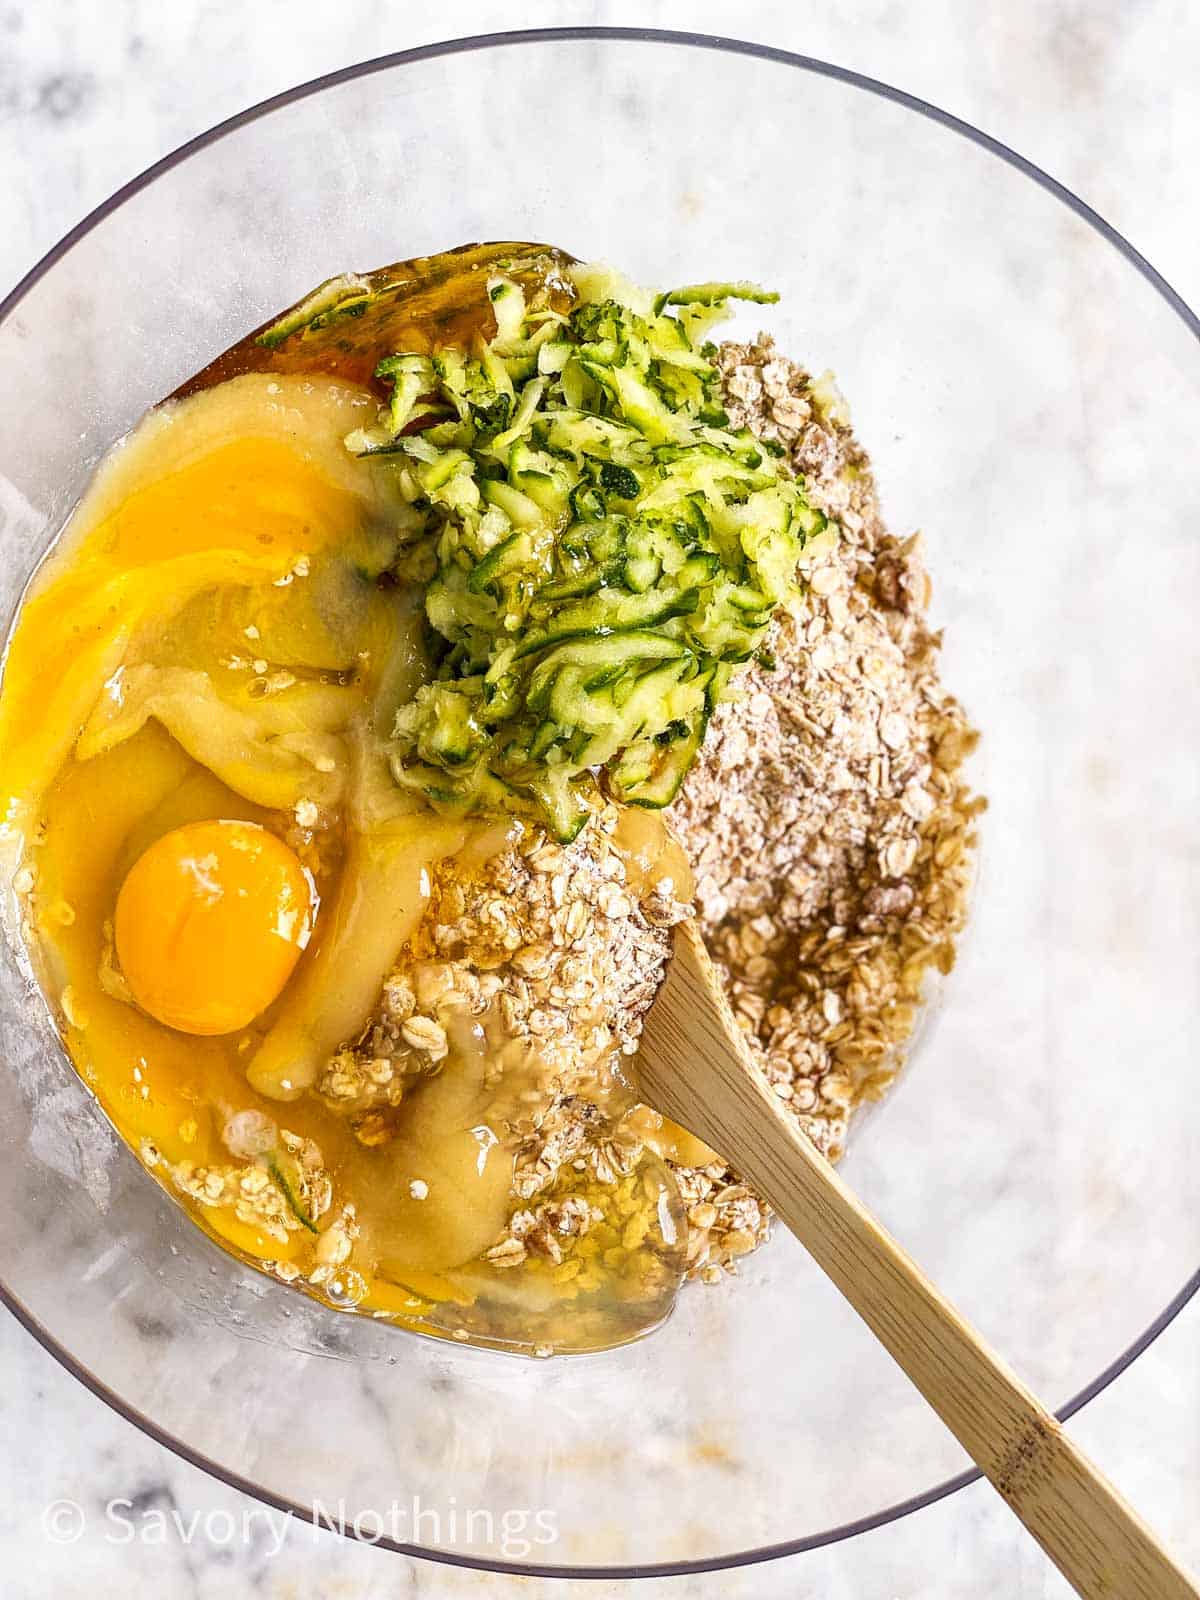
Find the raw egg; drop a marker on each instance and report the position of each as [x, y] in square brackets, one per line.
[210, 922]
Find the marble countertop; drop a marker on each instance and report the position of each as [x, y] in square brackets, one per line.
[89, 96]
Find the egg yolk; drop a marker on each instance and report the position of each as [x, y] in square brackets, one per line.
[210, 922]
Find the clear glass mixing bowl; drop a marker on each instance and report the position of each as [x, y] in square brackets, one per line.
[1030, 391]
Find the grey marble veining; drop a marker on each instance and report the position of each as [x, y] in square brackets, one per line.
[90, 95]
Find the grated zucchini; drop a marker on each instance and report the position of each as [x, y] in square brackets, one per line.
[606, 549]
[345, 295]
[288, 1186]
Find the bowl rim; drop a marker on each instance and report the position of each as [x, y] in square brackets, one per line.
[469, 44]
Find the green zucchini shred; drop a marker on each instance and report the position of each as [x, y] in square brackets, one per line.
[606, 551]
[346, 295]
[285, 1185]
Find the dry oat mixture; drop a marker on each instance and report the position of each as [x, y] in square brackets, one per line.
[827, 819]
[831, 833]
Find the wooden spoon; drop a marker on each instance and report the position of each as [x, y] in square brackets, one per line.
[695, 1067]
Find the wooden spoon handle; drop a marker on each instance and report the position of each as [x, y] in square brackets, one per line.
[689, 1071]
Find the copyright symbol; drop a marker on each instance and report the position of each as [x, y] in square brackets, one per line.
[63, 1521]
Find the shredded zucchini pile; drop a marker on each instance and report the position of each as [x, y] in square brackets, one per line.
[600, 550]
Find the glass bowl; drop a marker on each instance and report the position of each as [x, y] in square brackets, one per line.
[1029, 389]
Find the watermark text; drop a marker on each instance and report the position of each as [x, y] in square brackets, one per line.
[513, 1532]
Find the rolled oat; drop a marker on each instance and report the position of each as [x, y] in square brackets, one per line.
[827, 819]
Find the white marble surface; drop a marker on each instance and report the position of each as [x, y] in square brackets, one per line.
[89, 96]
